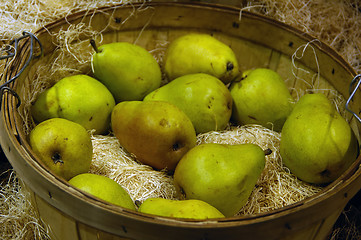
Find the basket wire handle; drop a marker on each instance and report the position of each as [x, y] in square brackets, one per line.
[352, 92]
[11, 53]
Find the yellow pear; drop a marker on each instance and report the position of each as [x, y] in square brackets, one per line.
[317, 144]
[200, 53]
[192, 209]
[129, 71]
[79, 98]
[63, 146]
[222, 175]
[261, 97]
[157, 133]
[103, 188]
[204, 98]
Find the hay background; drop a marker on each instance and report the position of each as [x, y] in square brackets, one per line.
[336, 22]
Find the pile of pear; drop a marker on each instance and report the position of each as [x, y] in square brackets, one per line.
[158, 124]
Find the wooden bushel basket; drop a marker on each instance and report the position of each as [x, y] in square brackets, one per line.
[258, 42]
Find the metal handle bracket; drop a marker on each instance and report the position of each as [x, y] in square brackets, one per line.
[352, 92]
[11, 52]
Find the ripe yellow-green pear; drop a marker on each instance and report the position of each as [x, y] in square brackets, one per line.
[192, 209]
[317, 144]
[204, 98]
[222, 175]
[79, 98]
[63, 146]
[200, 53]
[129, 71]
[157, 133]
[261, 97]
[104, 188]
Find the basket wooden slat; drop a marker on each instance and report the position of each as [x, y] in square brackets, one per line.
[258, 42]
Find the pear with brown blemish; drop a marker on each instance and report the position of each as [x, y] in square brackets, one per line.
[157, 133]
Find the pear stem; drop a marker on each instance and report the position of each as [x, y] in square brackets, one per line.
[137, 203]
[92, 42]
[267, 151]
[239, 78]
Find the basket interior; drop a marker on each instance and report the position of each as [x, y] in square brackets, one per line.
[306, 64]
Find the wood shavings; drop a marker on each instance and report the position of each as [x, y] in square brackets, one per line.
[31, 15]
[337, 23]
[141, 181]
[18, 218]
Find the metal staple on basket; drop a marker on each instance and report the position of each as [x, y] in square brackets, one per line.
[352, 92]
[11, 52]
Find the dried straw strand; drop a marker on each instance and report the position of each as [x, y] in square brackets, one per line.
[337, 23]
[18, 217]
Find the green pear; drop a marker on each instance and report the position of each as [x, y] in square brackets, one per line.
[317, 144]
[103, 188]
[204, 98]
[157, 133]
[79, 98]
[200, 53]
[129, 71]
[222, 175]
[192, 209]
[63, 146]
[261, 97]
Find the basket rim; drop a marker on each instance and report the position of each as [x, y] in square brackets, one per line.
[352, 174]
